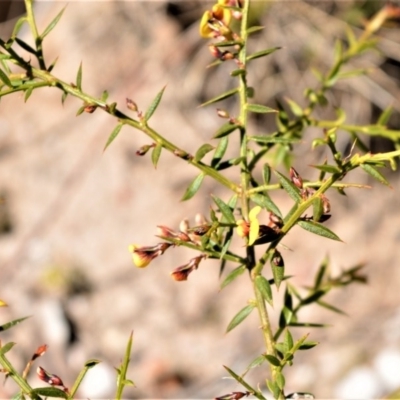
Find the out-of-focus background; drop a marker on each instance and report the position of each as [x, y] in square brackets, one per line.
[71, 210]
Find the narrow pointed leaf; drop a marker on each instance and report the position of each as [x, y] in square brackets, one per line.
[280, 380]
[220, 151]
[288, 340]
[253, 29]
[113, 135]
[289, 187]
[370, 170]
[266, 173]
[312, 298]
[264, 201]
[28, 93]
[240, 317]
[264, 287]
[220, 97]
[321, 273]
[278, 273]
[261, 53]
[202, 151]
[273, 388]
[385, 116]
[308, 345]
[6, 348]
[308, 325]
[79, 77]
[318, 229]
[239, 379]
[10, 324]
[52, 24]
[225, 210]
[193, 187]
[155, 155]
[256, 362]
[50, 392]
[266, 139]
[153, 106]
[4, 78]
[331, 307]
[25, 46]
[18, 26]
[273, 360]
[331, 169]
[225, 130]
[260, 109]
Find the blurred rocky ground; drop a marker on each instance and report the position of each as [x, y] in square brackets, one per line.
[71, 210]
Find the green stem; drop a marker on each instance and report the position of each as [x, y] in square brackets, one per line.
[38, 40]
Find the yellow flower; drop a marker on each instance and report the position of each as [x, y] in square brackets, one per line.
[142, 256]
[215, 22]
[249, 229]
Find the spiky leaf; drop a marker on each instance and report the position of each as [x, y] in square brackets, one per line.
[233, 275]
[264, 287]
[260, 109]
[240, 317]
[193, 187]
[52, 24]
[318, 229]
[220, 97]
[113, 135]
[202, 151]
[154, 104]
[372, 171]
[261, 53]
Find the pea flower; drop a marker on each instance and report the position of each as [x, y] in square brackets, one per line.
[215, 22]
[142, 256]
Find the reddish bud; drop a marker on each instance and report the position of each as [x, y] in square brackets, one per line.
[233, 396]
[90, 108]
[144, 149]
[40, 351]
[295, 178]
[182, 273]
[51, 379]
[131, 105]
[277, 259]
[215, 51]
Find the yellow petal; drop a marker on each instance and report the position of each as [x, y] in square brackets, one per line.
[254, 230]
[254, 212]
[205, 30]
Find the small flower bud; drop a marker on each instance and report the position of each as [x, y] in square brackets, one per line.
[277, 259]
[182, 154]
[215, 51]
[222, 113]
[142, 256]
[90, 108]
[295, 178]
[131, 105]
[184, 226]
[326, 205]
[227, 55]
[233, 396]
[40, 351]
[237, 15]
[51, 379]
[182, 273]
[200, 219]
[144, 149]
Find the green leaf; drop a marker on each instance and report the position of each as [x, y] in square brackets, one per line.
[385, 116]
[264, 201]
[313, 297]
[237, 72]
[370, 170]
[319, 277]
[266, 174]
[220, 97]
[294, 107]
[63, 97]
[18, 26]
[272, 360]
[155, 154]
[288, 340]
[318, 229]
[79, 78]
[92, 363]
[225, 210]
[25, 46]
[280, 380]
[6, 348]
[278, 273]
[289, 187]
[330, 169]
[239, 379]
[104, 96]
[113, 135]
[261, 53]
[254, 29]
[28, 93]
[227, 43]
[220, 151]
[258, 108]
[331, 307]
[193, 187]
[154, 104]
[50, 392]
[308, 345]
[202, 151]
[273, 388]
[5, 79]
[239, 317]
[52, 24]
[232, 276]
[264, 288]
[225, 130]
[256, 362]
[10, 324]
